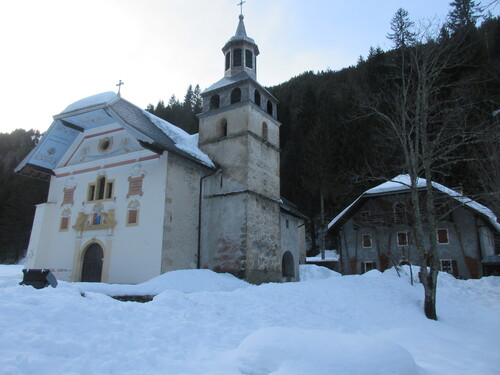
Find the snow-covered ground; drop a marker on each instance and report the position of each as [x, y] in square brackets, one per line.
[207, 323]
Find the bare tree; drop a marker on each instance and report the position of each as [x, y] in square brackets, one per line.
[426, 120]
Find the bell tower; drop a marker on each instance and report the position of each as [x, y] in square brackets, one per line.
[239, 130]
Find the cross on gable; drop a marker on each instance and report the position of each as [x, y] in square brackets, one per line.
[119, 84]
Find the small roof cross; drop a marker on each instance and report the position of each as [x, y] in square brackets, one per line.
[240, 4]
[119, 84]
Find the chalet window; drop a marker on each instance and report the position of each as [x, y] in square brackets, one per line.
[399, 213]
[264, 131]
[368, 266]
[365, 216]
[367, 240]
[256, 97]
[269, 107]
[237, 57]
[447, 266]
[214, 102]
[404, 238]
[228, 60]
[236, 95]
[133, 213]
[100, 190]
[248, 59]
[442, 236]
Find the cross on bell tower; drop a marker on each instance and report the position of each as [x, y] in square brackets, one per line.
[241, 6]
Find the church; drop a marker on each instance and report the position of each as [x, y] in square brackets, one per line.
[132, 196]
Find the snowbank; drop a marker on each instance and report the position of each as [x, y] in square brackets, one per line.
[211, 324]
[185, 281]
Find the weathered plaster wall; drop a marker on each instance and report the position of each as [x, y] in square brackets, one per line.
[180, 241]
[293, 239]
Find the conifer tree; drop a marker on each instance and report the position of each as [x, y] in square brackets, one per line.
[463, 15]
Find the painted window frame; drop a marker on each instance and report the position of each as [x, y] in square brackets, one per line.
[447, 234]
[369, 237]
[136, 207]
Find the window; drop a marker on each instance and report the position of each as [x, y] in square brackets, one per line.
[256, 97]
[269, 107]
[105, 144]
[65, 217]
[367, 240]
[287, 224]
[237, 57]
[214, 102]
[365, 216]
[236, 95]
[447, 265]
[404, 238]
[228, 60]
[264, 131]
[100, 190]
[442, 236]
[368, 266]
[223, 128]
[133, 213]
[248, 59]
[399, 213]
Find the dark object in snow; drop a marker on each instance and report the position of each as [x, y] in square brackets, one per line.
[38, 278]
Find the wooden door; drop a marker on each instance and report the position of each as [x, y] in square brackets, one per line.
[92, 264]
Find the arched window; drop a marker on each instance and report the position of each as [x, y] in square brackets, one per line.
[228, 60]
[256, 97]
[223, 128]
[248, 59]
[237, 57]
[101, 189]
[264, 131]
[214, 102]
[270, 107]
[287, 266]
[133, 213]
[101, 185]
[236, 95]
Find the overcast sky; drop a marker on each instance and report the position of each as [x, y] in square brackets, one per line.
[54, 52]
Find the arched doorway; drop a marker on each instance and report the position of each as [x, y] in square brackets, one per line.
[288, 266]
[92, 264]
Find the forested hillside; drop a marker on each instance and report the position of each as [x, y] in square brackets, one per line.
[18, 195]
[338, 134]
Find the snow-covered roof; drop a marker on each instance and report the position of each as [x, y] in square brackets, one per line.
[100, 110]
[402, 183]
[102, 98]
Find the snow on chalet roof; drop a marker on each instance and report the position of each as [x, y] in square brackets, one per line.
[402, 183]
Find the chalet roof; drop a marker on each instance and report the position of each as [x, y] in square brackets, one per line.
[103, 109]
[401, 184]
